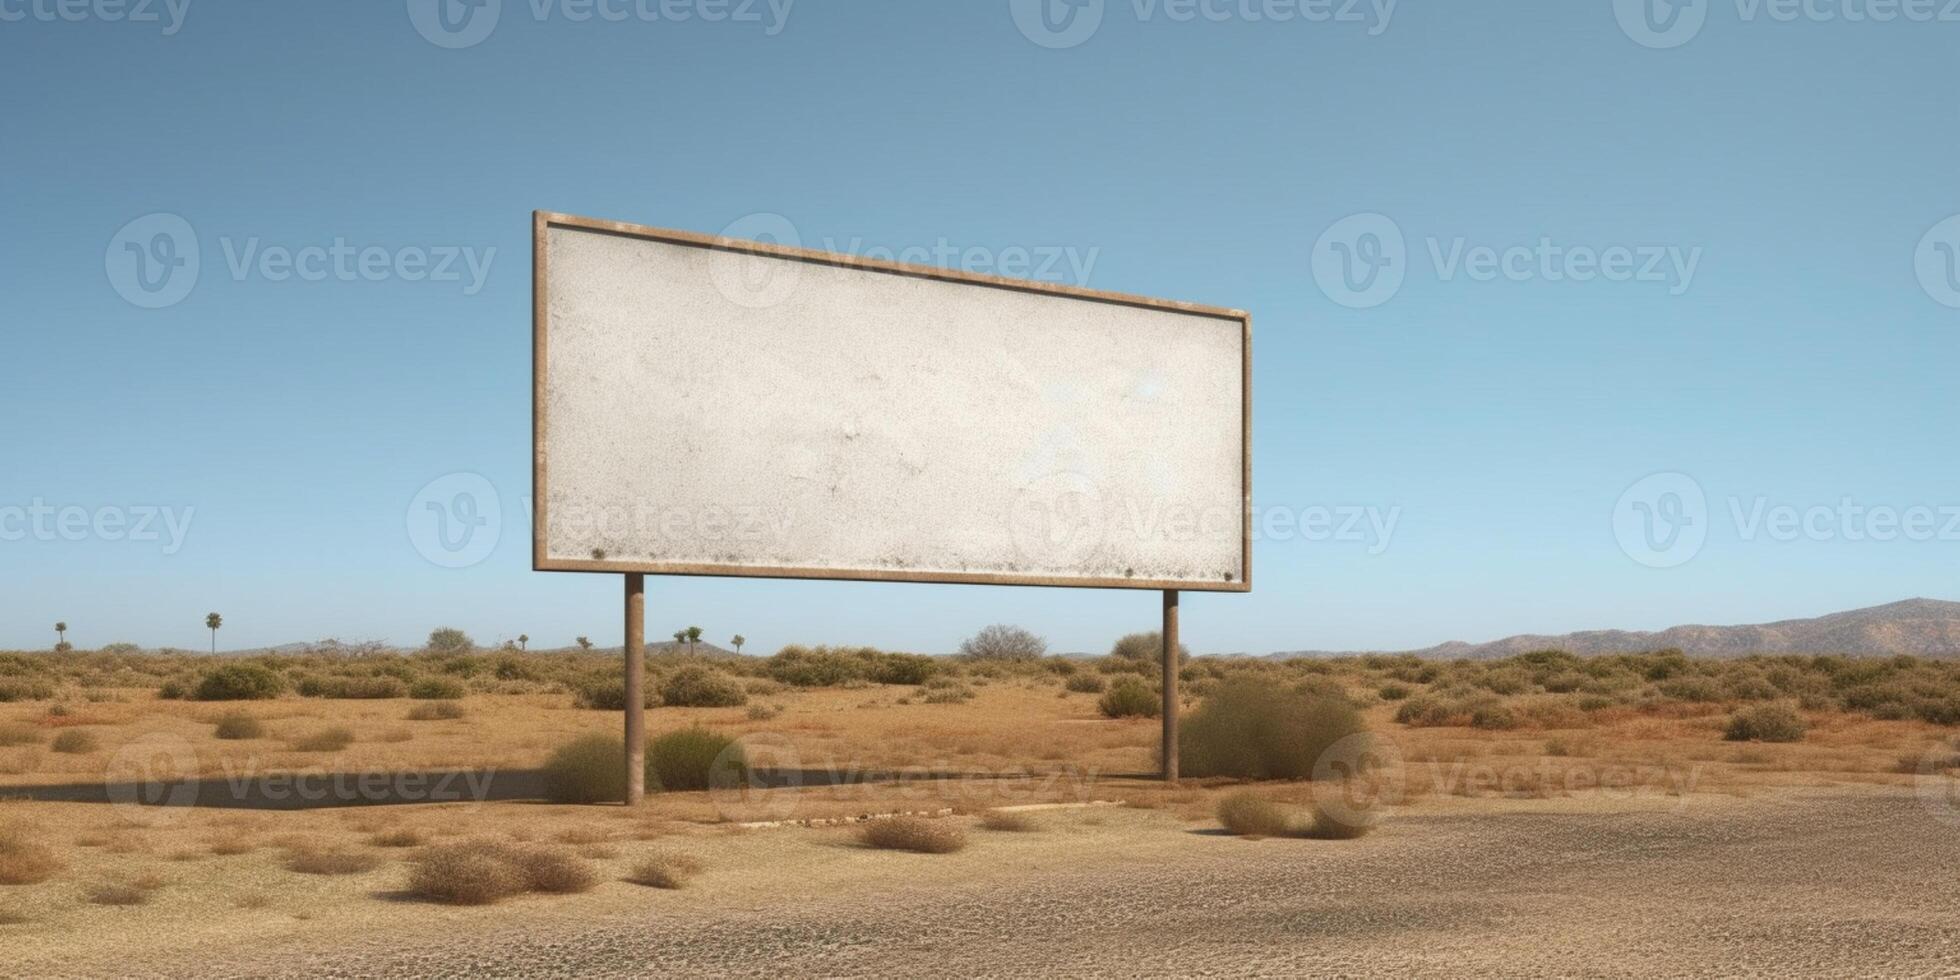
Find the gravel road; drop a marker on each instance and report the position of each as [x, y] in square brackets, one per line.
[1851, 883]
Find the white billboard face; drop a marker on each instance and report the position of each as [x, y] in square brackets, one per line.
[713, 407]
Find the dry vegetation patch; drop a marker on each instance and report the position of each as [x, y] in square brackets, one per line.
[917, 834]
[482, 872]
[23, 860]
[664, 871]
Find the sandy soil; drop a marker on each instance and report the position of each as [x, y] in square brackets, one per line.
[1834, 882]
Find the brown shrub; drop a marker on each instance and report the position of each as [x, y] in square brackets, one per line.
[1248, 814]
[916, 834]
[482, 872]
[400, 837]
[117, 893]
[309, 862]
[24, 861]
[665, 871]
[1007, 821]
[74, 741]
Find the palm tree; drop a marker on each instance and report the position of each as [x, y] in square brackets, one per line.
[738, 641]
[212, 622]
[584, 642]
[60, 633]
[523, 641]
[693, 634]
[680, 637]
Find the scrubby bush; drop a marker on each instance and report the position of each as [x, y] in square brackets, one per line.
[609, 694]
[1765, 723]
[14, 735]
[1393, 691]
[664, 871]
[1146, 648]
[436, 711]
[687, 760]
[74, 741]
[1003, 642]
[1086, 683]
[819, 667]
[24, 860]
[436, 689]
[917, 834]
[1130, 697]
[1248, 814]
[589, 769]
[374, 688]
[1251, 730]
[903, 668]
[236, 725]
[240, 682]
[1008, 822]
[446, 639]
[308, 861]
[483, 872]
[698, 687]
[25, 690]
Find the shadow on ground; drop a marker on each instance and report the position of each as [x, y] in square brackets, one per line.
[334, 790]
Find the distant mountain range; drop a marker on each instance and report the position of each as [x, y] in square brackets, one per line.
[1922, 627]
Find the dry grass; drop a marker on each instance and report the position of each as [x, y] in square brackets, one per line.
[1008, 822]
[331, 862]
[1248, 814]
[917, 834]
[238, 726]
[23, 860]
[664, 871]
[231, 846]
[436, 711]
[74, 741]
[12, 917]
[482, 872]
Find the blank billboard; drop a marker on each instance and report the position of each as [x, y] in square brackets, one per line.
[708, 406]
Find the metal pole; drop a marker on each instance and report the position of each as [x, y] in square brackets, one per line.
[636, 668]
[1170, 685]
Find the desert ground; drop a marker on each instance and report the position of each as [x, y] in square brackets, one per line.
[1545, 830]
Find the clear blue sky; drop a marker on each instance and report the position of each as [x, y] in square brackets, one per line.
[1808, 360]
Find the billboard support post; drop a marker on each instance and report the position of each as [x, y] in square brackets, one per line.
[1170, 685]
[636, 669]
